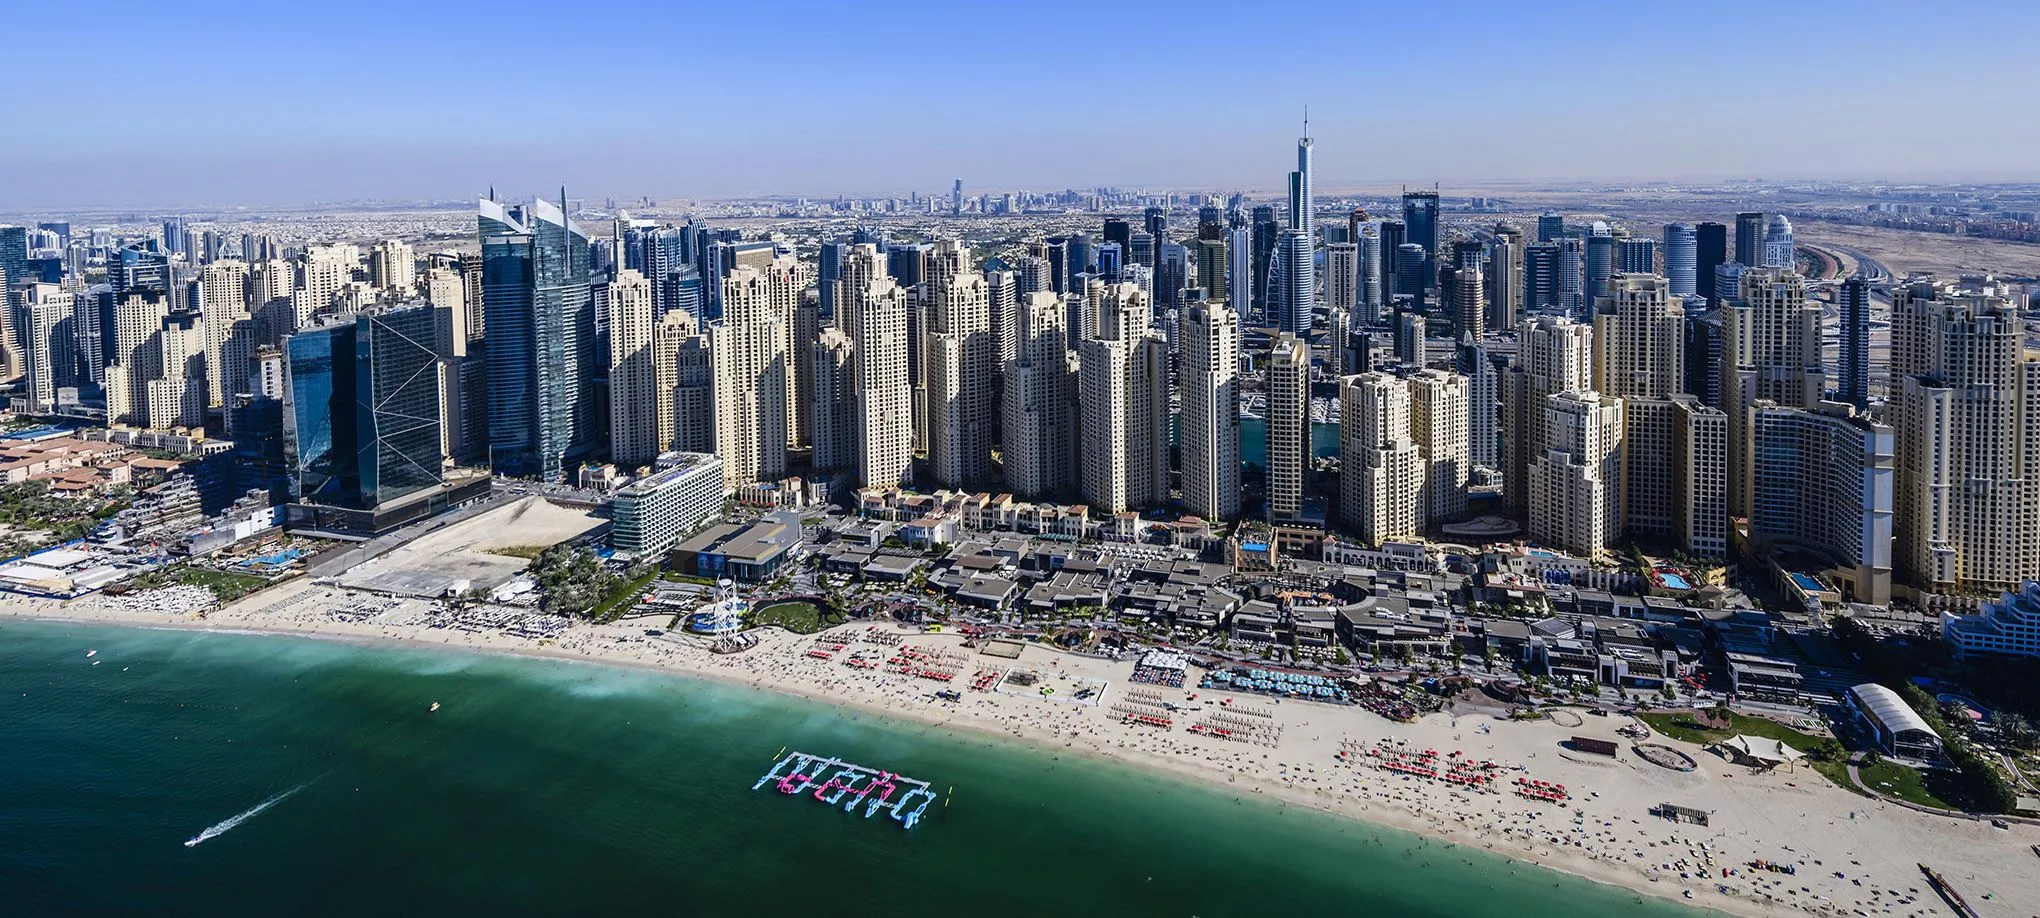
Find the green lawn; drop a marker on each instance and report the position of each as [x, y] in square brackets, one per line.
[527, 552]
[795, 616]
[619, 602]
[226, 585]
[1683, 726]
[1907, 784]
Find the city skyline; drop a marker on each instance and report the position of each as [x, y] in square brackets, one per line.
[1536, 77]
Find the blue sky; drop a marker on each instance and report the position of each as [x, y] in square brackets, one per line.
[151, 104]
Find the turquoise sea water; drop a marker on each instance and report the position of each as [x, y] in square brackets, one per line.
[546, 787]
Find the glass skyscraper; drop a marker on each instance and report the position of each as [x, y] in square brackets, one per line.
[1298, 266]
[1710, 250]
[1853, 298]
[362, 420]
[1682, 254]
[1600, 262]
[539, 312]
[1420, 215]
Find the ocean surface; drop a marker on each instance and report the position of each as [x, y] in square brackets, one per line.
[320, 784]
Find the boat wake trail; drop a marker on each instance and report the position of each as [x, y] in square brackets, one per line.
[226, 825]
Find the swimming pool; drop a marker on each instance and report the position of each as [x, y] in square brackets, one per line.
[1673, 581]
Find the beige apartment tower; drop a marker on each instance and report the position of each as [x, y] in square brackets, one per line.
[1039, 407]
[1966, 416]
[1381, 470]
[1288, 426]
[636, 436]
[1210, 421]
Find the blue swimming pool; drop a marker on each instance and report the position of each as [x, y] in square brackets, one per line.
[1673, 581]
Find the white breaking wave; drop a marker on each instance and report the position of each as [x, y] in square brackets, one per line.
[230, 822]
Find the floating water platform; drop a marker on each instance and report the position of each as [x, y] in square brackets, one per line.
[833, 781]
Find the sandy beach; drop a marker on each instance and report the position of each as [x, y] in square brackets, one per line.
[1851, 855]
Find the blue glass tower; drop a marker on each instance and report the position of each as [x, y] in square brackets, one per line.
[1853, 298]
[827, 273]
[1682, 258]
[362, 420]
[1298, 265]
[1600, 262]
[539, 311]
[1636, 256]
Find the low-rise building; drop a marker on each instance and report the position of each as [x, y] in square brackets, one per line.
[2009, 626]
[745, 553]
[1892, 725]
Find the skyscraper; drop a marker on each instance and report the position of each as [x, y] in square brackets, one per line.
[1267, 235]
[962, 359]
[134, 358]
[1550, 227]
[1554, 355]
[44, 320]
[1439, 404]
[872, 310]
[1682, 252]
[541, 321]
[1483, 406]
[1540, 276]
[1639, 339]
[1381, 471]
[1391, 232]
[635, 434]
[1288, 426]
[1372, 298]
[748, 351]
[1575, 500]
[1825, 482]
[392, 265]
[1420, 215]
[1297, 264]
[1779, 251]
[1600, 264]
[1966, 413]
[1123, 407]
[1210, 416]
[229, 329]
[1342, 285]
[1853, 300]
[1674, 459]
[1504, 282]
[1749, 238]
[1208, 256]
[1572, 276]
[834, 402]
[362, 409]
[1710, 250]
[1469, 304]
[1039, 403]
[1770, 351]
[1636, 256]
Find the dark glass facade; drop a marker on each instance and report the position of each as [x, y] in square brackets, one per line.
[540, 314]
[363, 420]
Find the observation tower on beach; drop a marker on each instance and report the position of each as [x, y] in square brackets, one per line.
[723, 619]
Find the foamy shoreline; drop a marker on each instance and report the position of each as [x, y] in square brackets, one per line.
[1609, 838]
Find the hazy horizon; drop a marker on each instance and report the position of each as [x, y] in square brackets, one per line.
[257, 105]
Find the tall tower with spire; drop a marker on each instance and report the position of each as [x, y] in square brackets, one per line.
[1298, 267]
